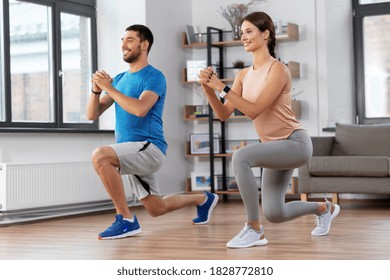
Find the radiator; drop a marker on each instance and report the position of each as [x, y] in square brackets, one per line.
[56, 188]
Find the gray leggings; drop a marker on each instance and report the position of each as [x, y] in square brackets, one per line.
[278, 160]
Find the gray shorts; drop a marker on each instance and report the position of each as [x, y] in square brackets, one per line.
[140, 161]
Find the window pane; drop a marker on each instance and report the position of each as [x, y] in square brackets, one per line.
[376, 30]
[2, 104]
[31, 83]
[373, 1]
[76, 66]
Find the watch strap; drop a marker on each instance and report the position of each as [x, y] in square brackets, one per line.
[224, 92]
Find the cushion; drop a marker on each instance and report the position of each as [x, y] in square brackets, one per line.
[362, 140]
[322, 146]
[349, 166]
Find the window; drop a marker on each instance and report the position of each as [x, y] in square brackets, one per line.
[2, 101]
[76, 66]
[49, 60]
[372, 60]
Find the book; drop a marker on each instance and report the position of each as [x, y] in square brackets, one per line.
[190, 34]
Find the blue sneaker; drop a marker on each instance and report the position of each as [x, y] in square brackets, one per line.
[121, 228]
[204, 210]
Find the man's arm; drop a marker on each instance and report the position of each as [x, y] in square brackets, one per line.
[97, 105]
[139, 107]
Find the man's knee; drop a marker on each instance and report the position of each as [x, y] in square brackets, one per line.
[154, 212]
[102, 156]
[154, 205]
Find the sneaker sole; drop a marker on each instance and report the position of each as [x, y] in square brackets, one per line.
[127, 234]
[334, 215]
[261, 242]
[216, 198]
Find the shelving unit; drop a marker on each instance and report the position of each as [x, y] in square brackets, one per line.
[215, 41]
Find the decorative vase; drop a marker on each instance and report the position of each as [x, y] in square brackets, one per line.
[236, 32]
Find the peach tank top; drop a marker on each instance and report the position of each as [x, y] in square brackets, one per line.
[278, 121]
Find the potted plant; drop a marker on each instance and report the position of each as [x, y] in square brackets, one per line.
[237, 66]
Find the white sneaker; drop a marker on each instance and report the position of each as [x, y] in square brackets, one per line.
[324, 221]
[248, 237]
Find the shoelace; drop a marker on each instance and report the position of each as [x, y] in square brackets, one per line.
[320, 220]
[115, 225]
[243, 232]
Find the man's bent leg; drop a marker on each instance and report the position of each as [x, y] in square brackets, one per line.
[106, 164]
[157, 206]
[205, 203]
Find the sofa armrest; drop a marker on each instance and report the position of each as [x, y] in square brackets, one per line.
[303, 179]
[322, 146]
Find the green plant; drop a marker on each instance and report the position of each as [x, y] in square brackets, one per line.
[238, 64]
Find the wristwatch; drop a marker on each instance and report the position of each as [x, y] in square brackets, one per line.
[225, 91]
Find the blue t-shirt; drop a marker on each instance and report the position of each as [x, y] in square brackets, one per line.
[129, 127]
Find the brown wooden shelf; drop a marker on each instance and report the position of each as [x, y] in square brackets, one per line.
[292, 34]
[185, 82]
[294, 69]
[189, 155]
[293, 66]
[292, 192]
[189, 115]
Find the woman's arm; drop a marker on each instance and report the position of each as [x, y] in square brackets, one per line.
[279, 79]
[210, 83]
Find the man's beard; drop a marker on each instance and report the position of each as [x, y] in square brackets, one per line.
[134, 56]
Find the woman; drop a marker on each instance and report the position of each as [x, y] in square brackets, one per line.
[263, 93]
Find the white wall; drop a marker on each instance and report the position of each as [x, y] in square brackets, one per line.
[112, 21]
[167, 19]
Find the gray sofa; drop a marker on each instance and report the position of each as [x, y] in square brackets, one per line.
[355, 160]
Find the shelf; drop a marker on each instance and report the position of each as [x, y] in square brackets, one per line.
[294, 68]
[228, 192]
[292, 191]
[291, 35]
[185, 45]
[189, 155]
[185, 82]
[189, 115]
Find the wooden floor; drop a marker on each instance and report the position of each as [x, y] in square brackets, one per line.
[360, 232]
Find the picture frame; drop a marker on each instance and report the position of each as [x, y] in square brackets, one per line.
[201, 181]
[200, 143]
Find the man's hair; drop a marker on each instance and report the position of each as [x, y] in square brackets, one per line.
[143, 33]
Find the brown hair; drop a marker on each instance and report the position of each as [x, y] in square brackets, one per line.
[263, 22]
[144, 33]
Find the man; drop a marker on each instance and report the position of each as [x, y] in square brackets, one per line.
[139, 96]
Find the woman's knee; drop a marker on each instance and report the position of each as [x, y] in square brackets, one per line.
[239, 160]
[273, 215]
